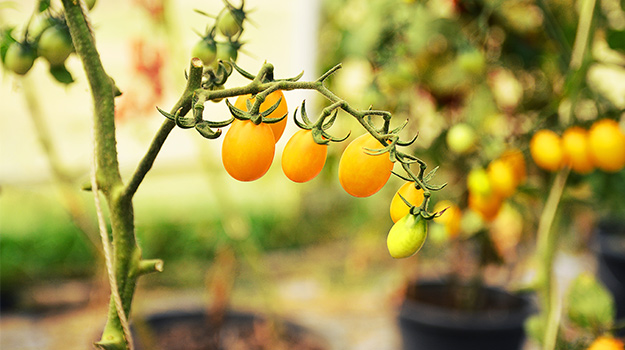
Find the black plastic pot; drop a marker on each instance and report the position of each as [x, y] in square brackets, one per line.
[194, 330]
[429, 321]
[611, 260]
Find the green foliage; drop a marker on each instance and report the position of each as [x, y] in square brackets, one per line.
[590, 305]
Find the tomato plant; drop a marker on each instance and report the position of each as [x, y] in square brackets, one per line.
[247, 150]
[398, 207]
[230, 23]
[362, 174]
[303, 158]
[607, 145]
[546, 150]
[270, 100]
[407, 236]
[206, 50]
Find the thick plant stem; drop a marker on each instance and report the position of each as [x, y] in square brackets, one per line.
[547, 241]
[126, 255]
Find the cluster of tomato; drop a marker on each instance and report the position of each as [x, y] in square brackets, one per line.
[229, 24]
[600, 147]
[46, 36]
[489, 187]
[361, 173]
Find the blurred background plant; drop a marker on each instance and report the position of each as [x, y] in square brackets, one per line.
[478, 79]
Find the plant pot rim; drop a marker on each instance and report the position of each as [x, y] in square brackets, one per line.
[441, 317]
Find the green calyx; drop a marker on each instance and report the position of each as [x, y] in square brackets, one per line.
[253, 112]
[318, 128]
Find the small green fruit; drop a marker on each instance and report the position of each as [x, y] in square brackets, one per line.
[407, 236]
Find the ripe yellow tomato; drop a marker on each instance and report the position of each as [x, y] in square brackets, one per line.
[270, 100]
[607, 145]
[501, 177]
[451, 218]
[399, 209]
[362, 174]
[606, 343]
[247, 150]
[487, 206]
[478, 181]
[546, 150]
[515, 159]
[303, 158]
[576, 150]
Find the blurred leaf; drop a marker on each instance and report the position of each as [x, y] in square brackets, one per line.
[61, 74]
[590, 305]
[616, 39]
[43, 5]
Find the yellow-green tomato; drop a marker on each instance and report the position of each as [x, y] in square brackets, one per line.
[407, 236]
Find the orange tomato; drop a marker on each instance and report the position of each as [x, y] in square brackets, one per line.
[303, 158]
[501, 177]
[576, 150]
[362, 174]
[270, 100]
[546, 150]
[607, 145]
[487, 206]
[399, 209]
[247, 150]
[515, 159]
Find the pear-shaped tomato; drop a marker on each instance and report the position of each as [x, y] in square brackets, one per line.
[362, 174]
[248, 149]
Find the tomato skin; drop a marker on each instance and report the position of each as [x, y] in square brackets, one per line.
[414, 196]
[514, 158]
[247, 150]
[501, 177]
[55, 45]
[270, 100]
[576, 151]
[487, 206]
[607, 145]
[546, 150]
[303, 158]
[19, 58]
[226, 51]
[205, 50]
[229, 25]
[362, 174]
[407, 236]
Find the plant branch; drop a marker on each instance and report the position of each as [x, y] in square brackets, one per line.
[183, 106]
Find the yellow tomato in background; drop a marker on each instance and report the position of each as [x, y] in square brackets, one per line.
[501, 177]
[606, 143]
[487, 206]
[576, 151]
[450, 219]
[546, 150]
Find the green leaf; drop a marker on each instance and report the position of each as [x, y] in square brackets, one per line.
[43, 5]
[590, 305]
[61, 74]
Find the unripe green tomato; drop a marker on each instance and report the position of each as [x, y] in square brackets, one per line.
[407, 236]
[225, 52]
[461, 138]
[229, 25]
[206, 50]
[19, 58]
[55, 45]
